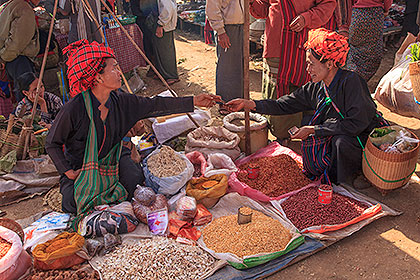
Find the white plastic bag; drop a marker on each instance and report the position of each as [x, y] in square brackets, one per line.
[219, 164]
[395, 91]
[167, 185]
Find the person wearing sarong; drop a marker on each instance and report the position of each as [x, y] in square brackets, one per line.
[163, 41]
[344, 116]
[286, 30]
[366, 37]
[91, 127]
[226, 17]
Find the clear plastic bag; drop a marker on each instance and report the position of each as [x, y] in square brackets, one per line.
[186, 208]
[144, 195]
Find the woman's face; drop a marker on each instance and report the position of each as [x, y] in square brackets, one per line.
[32, 90]
[316, 69]
[111, 76]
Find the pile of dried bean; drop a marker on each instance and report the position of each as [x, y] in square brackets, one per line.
[277, 175]
[156, 258]
[197, 170]
[262, 235]
[304, 210]
[4, 247]
[64, 275]
[166, 163]
[214, 138]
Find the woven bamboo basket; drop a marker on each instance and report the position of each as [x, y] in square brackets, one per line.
[414, 70]
[392, 170]
[13, 226]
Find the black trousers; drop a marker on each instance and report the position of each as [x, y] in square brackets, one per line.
[17, 67]
[131, 174]
[346, 159]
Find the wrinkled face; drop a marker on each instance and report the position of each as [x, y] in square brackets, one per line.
[111, 76]
[32, 90]
[316, 69]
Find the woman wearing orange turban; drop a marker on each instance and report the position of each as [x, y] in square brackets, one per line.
[344, 110]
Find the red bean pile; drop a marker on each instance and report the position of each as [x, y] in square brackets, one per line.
[4, 247]
[277, 175]
[197, 170]
[304, 210]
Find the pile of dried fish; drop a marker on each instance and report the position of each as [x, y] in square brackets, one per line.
[166, 163]
[157, 258]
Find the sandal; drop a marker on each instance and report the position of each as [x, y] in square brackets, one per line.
[172, 81]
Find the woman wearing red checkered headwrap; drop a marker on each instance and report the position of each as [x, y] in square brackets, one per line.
[92, 124]
[344, 110]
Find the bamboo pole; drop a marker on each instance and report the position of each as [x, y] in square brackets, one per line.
[145, 58]
[41, 75]
[246, 75]
[92, 15]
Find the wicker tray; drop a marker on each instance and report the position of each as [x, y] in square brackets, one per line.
[13, 226]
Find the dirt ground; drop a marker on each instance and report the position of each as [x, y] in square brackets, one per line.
[386, 249]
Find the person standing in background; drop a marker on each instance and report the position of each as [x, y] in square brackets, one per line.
[226, 17]
[366, 36]
[286, 30]
[410, 17]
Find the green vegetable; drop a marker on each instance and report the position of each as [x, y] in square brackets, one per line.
[380, 132]
[415, 52]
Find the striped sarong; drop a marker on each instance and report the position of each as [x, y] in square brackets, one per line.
[98, 182]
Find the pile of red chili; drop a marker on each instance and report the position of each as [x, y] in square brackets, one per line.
[304, 210]
[277, 175]
[4, 247]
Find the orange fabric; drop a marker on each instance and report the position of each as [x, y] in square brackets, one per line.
[183, 229]
[329, 44]
[63, 245]
[61, 263]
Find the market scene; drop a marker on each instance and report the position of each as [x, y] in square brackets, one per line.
[209, 139]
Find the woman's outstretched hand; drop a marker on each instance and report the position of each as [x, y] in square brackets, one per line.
[236, 105]
[206, 100]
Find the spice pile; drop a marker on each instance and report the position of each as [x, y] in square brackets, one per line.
[64, 275]
[156, 258]
[304, 210]
[277, 175]
[262, 235]
[4, 247]
[166, 163]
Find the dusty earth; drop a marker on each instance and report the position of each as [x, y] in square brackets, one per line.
[386, 249]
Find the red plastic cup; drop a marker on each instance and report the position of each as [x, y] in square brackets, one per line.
[253, 172]
[325, 194]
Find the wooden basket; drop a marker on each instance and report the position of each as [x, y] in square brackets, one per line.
[414, 70]
[392, 170]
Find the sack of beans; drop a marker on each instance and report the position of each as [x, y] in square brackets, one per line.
[214, 139]
[204, 188]
[61, 252]
[199, 162]
[14, 261]
[309, 215]
[186, 208]
[219, 164]
[166, 171]
[145, 201]
[269, 174]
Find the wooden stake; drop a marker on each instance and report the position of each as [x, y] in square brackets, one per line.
[92, 15]
[145, 58]
[246, 76]
[41, 75]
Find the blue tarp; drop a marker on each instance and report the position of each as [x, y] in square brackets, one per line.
[228, 272]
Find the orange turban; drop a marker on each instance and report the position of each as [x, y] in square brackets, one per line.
[329, 45]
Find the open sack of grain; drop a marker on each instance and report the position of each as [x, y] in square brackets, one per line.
[280, 173]
[167, 171]
[267, 237]
[347, 213]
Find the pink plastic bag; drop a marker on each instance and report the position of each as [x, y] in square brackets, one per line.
[197, 158]
[273, 149]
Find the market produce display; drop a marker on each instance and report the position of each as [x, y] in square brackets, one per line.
[304, 210]
[156, 258]
[4, 247]
[145, 201]
[64, 275]
[166, 163]
[277, 175]
[262, 235]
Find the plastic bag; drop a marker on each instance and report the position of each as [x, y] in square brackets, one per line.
[395, 91]
[219, 164]
[117, 219]
[186, 208]
[158, 221]
[16, 261]
[273, 149]
[203, 216]
[199, 162]
[212, 187]
[59, 252]
[145, 196]
[215, 139]
[141, 210]
[135, 83]
[167, 185]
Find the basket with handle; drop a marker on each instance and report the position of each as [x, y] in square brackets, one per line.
[414, 70]
[388, 171]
